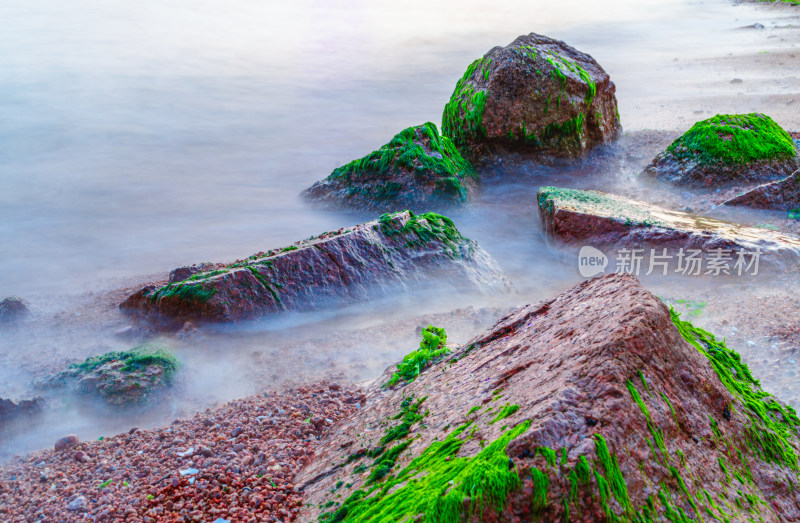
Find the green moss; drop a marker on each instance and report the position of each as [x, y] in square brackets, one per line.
[134, 360]
[422, 229]
[734, 139]
[462, 119]
[505, 412]
[196, 290]
[658, 437]
[432, 347]
[409, 414]
[615, 207]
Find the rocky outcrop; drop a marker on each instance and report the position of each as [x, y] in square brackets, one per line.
[537, 95]
[13, 308]
[598, 405]
[381, 257]
[119, 377]
[10, 410]
[605, 220]
[783, 195]
[728, 149]
[417, 168]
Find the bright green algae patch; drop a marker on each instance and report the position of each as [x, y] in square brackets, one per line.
[432, 347]
[135, 359]
[425, 228]
[462, 119]
[734, 139]
[599, 203]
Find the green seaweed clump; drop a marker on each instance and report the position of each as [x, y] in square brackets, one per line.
[462, 119]
[133, 360]
[432, 347]
[424, 228]
[734, 139]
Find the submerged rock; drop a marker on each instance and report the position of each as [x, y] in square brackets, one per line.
[120, 377]
[380, 257]
[418, 167]
[607, 220]
[536, 95]
[783, 195]
[13, 308]
[10, 410]
[598, 405]
[728, 149]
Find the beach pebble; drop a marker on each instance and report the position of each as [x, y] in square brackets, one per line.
[67, 442]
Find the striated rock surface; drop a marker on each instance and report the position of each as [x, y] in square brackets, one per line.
[13, 308]
[418, 167]
[536, 95]
[607, 220]
[119, 377]
[728, 149]
[783, 195]
[598, 405]
[372, 259]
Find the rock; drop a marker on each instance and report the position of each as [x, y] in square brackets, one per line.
[536, 95]
[783, 195]
[376, 258]
[417, 168]
[13, 308]
[77, 504]
[67, 442]
[609, 221]
[120, 377]
[600, 402]
[181, 273]
[728, 149]
[10, 409]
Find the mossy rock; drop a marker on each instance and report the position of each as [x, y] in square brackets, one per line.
[418, 167]
[728, 149]
[121, 377]
[536, 95]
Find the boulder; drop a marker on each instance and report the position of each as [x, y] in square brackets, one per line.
[598, 405]
[417, 168]
[10, 410]
[123, 377]
[13, 308]
[783, 195]
[376, 258]
[728, 149]
[66, 443]
[614, 222]
[537, 95]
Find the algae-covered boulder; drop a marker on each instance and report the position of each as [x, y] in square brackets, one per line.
[783, 195]
[598, 405]
[418, 167]
[398, 251]
[607, 220]
[120, 377]
[728, 149]
[12, 309]
[536, 95]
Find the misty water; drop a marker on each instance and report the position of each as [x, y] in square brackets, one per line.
[141, 137]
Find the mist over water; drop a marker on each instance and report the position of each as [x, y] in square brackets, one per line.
[141, 137]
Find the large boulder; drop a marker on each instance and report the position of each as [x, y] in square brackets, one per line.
[417, 168]
[783, 195]
[598, 405]
[122, 377]
[12, 309]
[536, 95]
[728, 149]
[349, 265]
[610, 221]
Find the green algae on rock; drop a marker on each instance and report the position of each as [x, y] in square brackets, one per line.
[399, 250]
[616, 410]
[418, 167]
[537, 95]
[728, 149]
[432, 347]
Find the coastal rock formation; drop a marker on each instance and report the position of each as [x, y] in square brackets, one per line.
[119, 377]
[783, 195]
[537, 95]
[607, 220]
[10, 410]
[598, 405]
[728, 149]
[12, 308]
[380, 257]
[418, 167]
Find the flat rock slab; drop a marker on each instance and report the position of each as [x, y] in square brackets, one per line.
[783, 195]
[382, 257]
[609, 221]
[600, 403]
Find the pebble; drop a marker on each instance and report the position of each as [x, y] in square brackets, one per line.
[66, 442]
[76, 504]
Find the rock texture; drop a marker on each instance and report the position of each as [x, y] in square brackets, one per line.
[598, 405]
[119, 377]
[10, 410]
[376, 258]
[417, 168]
[607, 220]
[536, 95]
[13, 308]
[728, 149]
[783, 195]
